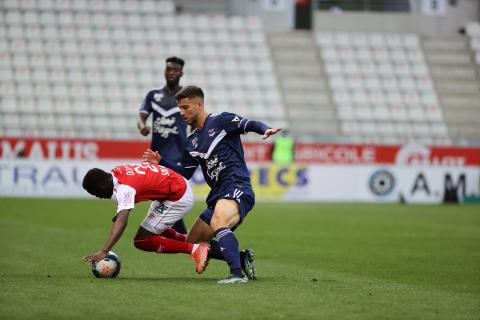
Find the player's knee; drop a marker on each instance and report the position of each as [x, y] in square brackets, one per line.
[140, 243]
[217, 222]
[136, 243]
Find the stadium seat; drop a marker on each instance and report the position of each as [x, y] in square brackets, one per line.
[372, 83]
[411, 97]
[6, 74]
[13, 18]
[30, 18]
[11, 4]
[345, 112]
[11, 121]
[44, 105]
[29, 121]
[15, 32]
[324, 39]
[381, 113]
[376, 40]
[338, 83]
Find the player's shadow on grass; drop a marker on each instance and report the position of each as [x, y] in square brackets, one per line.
[188, 279]
[167, 279]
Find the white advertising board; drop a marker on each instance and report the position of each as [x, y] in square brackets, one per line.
[50, 179]
[353, 183]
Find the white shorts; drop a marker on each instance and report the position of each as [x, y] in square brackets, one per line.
[163, 214]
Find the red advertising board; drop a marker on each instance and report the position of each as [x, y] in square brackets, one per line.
[79, 149]
[408, 154]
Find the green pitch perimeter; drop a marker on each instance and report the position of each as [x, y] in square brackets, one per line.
[315, 261]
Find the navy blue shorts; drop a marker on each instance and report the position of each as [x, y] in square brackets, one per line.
[245, 200]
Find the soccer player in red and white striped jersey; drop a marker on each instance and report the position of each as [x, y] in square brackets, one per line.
[172, 198]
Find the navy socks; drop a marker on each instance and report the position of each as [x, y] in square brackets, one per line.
[215, 252]
[229, 249]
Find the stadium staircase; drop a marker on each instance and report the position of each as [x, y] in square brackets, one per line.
[381, 87]
[303, 85]
[456, 80]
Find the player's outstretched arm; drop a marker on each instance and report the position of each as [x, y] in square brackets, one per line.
[151, 156]
[258, 127]
[115, 234]
[270, 132]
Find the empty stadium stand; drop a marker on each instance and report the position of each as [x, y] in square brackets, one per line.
[77, 68]
[381, 87]
[81, 68]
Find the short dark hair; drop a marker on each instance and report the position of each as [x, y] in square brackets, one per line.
[176, 60]
[96, 182]
[189, 92]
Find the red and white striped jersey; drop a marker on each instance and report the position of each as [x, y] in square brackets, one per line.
[140, 182]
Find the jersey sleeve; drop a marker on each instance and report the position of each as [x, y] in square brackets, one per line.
[186, 168]
[233, 123]
[125, 197]
[146, 106]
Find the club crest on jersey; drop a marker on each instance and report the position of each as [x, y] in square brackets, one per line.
[157, 96]
[236, 119]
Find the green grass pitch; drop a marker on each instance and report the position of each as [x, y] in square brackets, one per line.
[315, 261]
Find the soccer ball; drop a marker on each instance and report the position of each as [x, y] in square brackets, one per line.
[108, 267]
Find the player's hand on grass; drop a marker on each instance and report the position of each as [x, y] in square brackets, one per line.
[151, 156]
[95, 257]
[270, 132]
[145, 131]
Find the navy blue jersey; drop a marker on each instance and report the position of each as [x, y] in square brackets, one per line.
[169, 129]
[218, 150]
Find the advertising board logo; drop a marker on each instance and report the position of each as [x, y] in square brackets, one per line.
[420, 155]
[413, 154]
[382, 182]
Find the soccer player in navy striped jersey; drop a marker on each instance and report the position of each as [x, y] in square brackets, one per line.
[169, 135]
[215, 146]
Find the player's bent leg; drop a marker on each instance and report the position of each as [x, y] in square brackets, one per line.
[180, 227]
[148, 241]
[172, 234]
[200, 232]
[143, 233]
[226, 215]
[159, 244]
[186, 204]
[163, 214]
